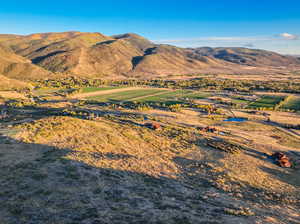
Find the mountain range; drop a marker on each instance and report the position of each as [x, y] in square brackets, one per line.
[91, 55]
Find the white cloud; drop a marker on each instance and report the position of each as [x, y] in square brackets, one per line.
[288, 36]
[200, 39]
[233, 39]
[250, 45]
[285, 43]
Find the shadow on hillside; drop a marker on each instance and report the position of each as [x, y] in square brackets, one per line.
[257, 154]
[19, 115]
[41, 58]
[287, 175]
[41, 184]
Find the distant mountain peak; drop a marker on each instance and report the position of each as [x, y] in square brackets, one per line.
[128, 35]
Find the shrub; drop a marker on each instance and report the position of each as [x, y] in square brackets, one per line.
[175, 107]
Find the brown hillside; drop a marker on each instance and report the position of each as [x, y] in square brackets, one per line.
[86, 55]
[136, 40]
[97, 55]
[6, 37]
[12, 84]
[165, 59]
[93, 54]
[18, 67]
[245, 56]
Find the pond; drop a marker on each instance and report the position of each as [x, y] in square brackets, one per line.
[236, 119]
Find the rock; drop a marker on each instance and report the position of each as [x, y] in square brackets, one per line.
[154, 126]
[285, 163]
[282, 160]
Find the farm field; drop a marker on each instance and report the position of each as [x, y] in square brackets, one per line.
[268, 101]
[292, 104]
[240, 101]
[173, 95]
[93, 89]
[126, 95]
[148, 95]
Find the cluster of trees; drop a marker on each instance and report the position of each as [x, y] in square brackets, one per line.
[71, 83]
[20, 103]
[170, 106]
[200, 83]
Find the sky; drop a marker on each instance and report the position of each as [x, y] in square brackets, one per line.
[266, 24]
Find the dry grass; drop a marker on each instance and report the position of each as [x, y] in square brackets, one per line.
[145, 151]
[153, 153]
[114, 167]
[11, 95]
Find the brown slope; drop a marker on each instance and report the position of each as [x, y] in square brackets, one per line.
[40, 47]
[26, 44]
[7, 37]
[35, 45]
[79, 53]
[84, 54]
[93, 54]
[12, 84]
[136, 40]
[245, 56]
[165, 59]
[18, 67]
[97, 55]
[110, 58]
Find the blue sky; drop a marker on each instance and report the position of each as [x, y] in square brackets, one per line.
[268, 24]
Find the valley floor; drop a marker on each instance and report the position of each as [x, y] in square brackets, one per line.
[68, 161]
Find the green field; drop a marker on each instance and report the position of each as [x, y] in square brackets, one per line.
[129, 95]
[94, 89]
[292, 104]
[240, 101]
[149, 95]
[266, 102]
[173, 95]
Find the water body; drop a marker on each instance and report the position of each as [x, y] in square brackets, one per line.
[236, 119]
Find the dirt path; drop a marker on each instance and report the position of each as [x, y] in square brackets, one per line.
[289, 132]
[103, 92]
